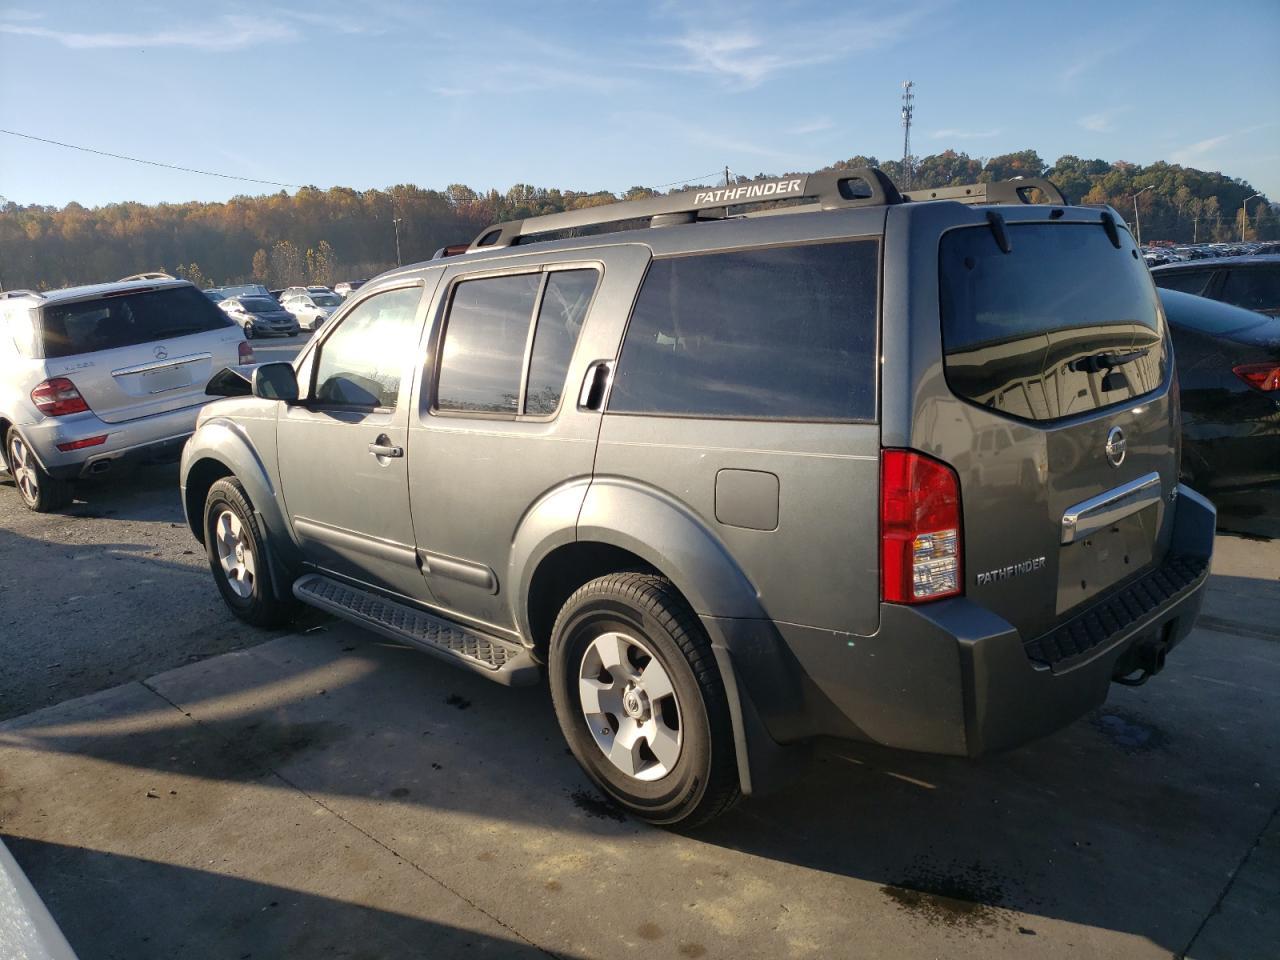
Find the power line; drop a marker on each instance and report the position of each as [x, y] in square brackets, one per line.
[150, 163]
[673, 183]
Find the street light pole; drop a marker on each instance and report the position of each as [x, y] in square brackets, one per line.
[396, 221]
[1244, 214]
[1137, 222]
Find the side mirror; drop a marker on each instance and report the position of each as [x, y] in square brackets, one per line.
[275, 381]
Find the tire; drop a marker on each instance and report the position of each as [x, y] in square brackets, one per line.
[237, 553]
[688, 781]
[248, 331]
[40, 492]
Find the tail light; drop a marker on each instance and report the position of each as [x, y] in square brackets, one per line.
[58, 397]
[919, 528]
[1263, 376]
[81, 444]
[246, 352]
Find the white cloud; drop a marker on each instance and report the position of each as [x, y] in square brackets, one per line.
[1088, 61]
[1192, 151]
[1104, 121]
[226, 33]
[953, 134]
[817, 125]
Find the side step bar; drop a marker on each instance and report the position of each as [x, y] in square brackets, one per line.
[503, 661]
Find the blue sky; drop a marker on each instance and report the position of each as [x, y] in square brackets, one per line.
[599, 95]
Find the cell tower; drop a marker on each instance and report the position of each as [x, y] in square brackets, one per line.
[908, 106]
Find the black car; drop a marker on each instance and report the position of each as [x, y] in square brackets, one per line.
[1249, 282]
[1228, 363]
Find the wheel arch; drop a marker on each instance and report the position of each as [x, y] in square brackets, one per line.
[220, 449]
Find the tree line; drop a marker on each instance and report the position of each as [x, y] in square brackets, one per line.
[323, 236]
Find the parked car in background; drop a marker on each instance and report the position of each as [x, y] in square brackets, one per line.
[348, 287]
[289, 292]
[311, 310]
[96, 375]
[1229, 372]
[726, 483]
[242, 290]
[217, 296]
[260, 316]
[1249, 282]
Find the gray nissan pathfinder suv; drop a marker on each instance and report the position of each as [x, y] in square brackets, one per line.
[805, 457]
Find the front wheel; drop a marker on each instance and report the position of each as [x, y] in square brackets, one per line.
[39, 491]
[640, 700]
[237, 553]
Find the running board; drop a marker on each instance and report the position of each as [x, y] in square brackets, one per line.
[503, 661]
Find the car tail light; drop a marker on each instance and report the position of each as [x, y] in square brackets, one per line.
[1264, 376]
[58, 397]
[919, 528]
[246, 352]
[81, 444]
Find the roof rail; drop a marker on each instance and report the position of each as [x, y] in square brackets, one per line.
[15, 294]
[998, 191]
[829, 190]
[150, 275]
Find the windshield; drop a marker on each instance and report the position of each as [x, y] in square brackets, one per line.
[121, 321]
[326, 299]
[260, 304]
[1062, 324]
[246, 290]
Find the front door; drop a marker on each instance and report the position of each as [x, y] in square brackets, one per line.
[343, 463]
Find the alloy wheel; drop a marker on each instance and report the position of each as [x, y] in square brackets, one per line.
[235, 553]
[22, 465]
[630, 706]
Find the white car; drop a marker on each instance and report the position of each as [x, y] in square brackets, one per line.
[290, 292]
[311, 310]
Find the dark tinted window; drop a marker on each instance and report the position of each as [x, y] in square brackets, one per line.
[786, 333]
[1188, 281]
[121, 321]
[362, 362]
[1063, 324]
[484, 344]
[260, 304]
[1254, 288]
[1207, 316]
[564, 306]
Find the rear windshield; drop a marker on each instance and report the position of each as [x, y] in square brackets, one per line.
[246, 290]
[326, 299]
[123, 320]
[260, 304]
[1061, 325]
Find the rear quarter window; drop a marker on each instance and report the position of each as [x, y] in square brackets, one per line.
[1186, 281]
[1061, 325]
[777, 333]
[122, 320]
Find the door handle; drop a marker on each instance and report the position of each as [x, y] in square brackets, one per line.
[383, 447]
[595, 385]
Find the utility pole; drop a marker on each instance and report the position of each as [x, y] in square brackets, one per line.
[1137, 222]
[726, 175]
[908, 108]
[1244, 214]
[396, 221]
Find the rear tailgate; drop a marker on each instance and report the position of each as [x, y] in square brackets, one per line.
[139, 352]
[1059, 417]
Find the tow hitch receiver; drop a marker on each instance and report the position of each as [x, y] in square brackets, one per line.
[1145, 658]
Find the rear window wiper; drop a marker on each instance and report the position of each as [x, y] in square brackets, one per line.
[1107, 360]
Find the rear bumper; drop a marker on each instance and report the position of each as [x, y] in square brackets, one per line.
[147, 439]
[953, 678]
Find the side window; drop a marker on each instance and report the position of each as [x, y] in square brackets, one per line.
[564, 307]
[361, 363]
[1254, 288]
[780, 333]
[487, 347]
[1186, 281]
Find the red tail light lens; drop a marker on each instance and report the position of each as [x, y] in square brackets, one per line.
[1264, 376]
[919, 528]
[58, 397]
[246, 352]
[81, 444]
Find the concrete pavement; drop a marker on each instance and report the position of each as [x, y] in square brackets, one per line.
[330, 794]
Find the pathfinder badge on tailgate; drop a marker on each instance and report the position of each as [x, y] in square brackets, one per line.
[1013, 570]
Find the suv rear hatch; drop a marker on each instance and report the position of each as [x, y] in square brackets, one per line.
[1059, 421]
[140, 351]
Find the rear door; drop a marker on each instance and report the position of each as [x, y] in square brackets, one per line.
[136, 353]
[1053, 405]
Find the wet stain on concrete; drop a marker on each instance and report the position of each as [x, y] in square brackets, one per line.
[649, 931]
[692, 950]
[958, 895]
[453, 700]
[553, 886]
[486, 857]
[1131, 733]
[594, 805]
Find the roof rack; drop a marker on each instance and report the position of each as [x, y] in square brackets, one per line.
[1016, 190]
[830, 190]
[859, 187]
[15, 294]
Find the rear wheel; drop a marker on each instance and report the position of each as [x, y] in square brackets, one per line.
[39, 491]
[640, 700]
[248, 331]
[238, 557]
